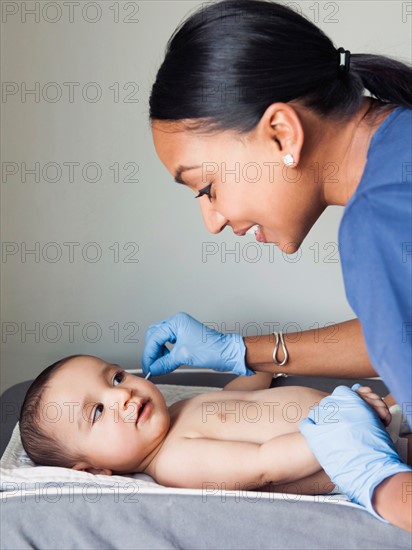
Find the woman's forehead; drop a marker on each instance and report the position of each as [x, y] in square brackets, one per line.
[176, 145]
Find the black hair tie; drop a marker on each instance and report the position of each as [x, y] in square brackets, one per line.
[344, 67]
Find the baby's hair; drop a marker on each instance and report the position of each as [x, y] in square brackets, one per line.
[43, 447]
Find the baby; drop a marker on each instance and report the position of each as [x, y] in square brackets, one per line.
[86, 414]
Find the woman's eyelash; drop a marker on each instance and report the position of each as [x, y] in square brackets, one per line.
[120, 373]
[205, 191]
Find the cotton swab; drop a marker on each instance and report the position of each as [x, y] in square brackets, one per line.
[147, 376]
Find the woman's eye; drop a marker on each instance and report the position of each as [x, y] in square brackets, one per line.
[99, 408]
[119, 376]
[205, 191]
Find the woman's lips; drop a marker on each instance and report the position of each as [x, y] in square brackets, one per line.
[245, 230]
[258, 232]
[260, 237]
[254, 230]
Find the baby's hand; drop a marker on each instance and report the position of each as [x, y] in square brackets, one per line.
[375, 402]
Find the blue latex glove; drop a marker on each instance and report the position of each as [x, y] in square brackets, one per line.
[351, 444]
[195, 345]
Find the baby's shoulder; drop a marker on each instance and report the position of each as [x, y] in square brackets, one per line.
[169, 456]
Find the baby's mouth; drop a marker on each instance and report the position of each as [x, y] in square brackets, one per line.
[140, 411]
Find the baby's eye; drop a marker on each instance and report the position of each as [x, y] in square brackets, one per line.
[97, 409]
[119, 376]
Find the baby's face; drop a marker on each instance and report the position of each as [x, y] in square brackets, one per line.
[113, 418]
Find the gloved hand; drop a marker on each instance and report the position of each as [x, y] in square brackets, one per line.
[195, 344]
[352, 445]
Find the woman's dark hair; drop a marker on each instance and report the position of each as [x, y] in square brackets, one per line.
[40, 444]
[230, 60]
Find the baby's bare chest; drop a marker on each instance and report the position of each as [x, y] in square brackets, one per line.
[242, 416]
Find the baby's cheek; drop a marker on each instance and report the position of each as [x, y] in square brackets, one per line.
[119, 456]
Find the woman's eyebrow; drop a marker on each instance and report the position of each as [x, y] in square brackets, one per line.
[180, 170]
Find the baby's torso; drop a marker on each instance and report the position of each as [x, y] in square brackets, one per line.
[254, 416]
[247, 416]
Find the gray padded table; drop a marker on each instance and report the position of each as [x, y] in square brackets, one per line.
[176, 521]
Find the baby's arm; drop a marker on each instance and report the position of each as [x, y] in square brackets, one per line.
[193, 463]
[258, 381]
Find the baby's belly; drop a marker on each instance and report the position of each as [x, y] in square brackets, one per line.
[246, 416]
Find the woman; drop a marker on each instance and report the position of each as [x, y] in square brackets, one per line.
[251, 83]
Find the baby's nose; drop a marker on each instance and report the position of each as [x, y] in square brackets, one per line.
[127, 395]
[120, 398]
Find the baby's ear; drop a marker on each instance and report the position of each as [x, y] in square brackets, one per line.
[100, 471]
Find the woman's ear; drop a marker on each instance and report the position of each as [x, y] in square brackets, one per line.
[281, 124]
[90, 470]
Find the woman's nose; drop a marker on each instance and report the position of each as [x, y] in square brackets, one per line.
[213, 220]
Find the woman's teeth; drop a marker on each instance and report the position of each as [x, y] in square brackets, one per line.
[252, 230]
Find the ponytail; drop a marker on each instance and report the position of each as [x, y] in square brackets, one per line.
[229, 61]
[388, 80]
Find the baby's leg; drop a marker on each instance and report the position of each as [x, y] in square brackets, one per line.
[316, 484]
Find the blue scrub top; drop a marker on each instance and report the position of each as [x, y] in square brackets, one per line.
[375, 245]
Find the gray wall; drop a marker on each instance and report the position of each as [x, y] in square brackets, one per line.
[148, 258]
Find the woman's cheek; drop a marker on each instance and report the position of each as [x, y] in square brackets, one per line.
[232, 202]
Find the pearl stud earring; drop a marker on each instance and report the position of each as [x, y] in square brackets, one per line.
[288, 160]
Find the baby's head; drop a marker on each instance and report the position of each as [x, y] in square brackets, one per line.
[86, 414]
